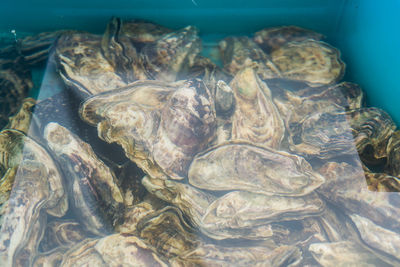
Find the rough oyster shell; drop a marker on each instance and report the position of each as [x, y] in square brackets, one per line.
[255, 119]
[95, 194]
[241, 52]
[163, 59]
[270, 39]
[393, 154]
[242, 166]
[309, 60]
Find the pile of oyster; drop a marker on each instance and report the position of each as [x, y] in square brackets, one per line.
[150, 154]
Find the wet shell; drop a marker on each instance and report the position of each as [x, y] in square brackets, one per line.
[142, 32]
[271, 39]
[309, 60]
[255, 119]
[95, 194]
[83, 66]
[238, 53]
[166, 57]
[393, 154]
[242, 166]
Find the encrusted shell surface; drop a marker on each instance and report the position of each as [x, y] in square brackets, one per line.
[309, 60]
[242, 166]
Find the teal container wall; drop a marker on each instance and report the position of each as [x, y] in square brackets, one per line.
[366, 31]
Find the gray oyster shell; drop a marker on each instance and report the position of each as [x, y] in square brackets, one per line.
[226, 167]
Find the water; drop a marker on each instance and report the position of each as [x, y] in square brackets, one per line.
[275, 178]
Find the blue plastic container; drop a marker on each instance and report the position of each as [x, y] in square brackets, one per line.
[366, 31]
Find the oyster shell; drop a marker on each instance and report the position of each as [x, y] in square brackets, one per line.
[226, 167]
[346, 187]
[21, 121]
[377, 237]
[62, 234]
[141, 32]
[255, 119]
[119, 51]
[241, 52]
[382, 182]
[114, 250]
[94, 192]
[83, 66]
[166, 57]
[163, 125]
[240, 209]
[38, 190]
[345, 253]
[393, 154]
[14, 87]
[309, 60]
[270, 39]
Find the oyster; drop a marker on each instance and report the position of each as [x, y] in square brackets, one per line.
[113, 250]
[141, 32]
[93, 188]
[21, 121]
[62, 233]
[6, 184]
[83, 66]
[270, 39]
[313, 61]
[255, 119]
[226, 167]
[382, 182]
[166, 57]
[163, 125]
[224, 99]
[119, 51]
[393, 154]
[377, 237]
[346, 187]
[241, 52]
[38, 190]
[344, 253]
[14, 87]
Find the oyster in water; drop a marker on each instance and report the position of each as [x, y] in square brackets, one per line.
[270, 39]
[309, 60]
[255, 119]
[166, 57]
[95, 195]
[83, 66]
[393, 154]
[162, 127]
[240, 52]
[242, 166]
[38, 190]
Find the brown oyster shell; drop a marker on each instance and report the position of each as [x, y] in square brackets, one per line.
[255, 119]
[83, 66]
[142, 32]
[95, 193]
[270, 39]
[163, 59]
[309, 60]
[226, 167]
[161, 129]
[241, 52]
[393, 154]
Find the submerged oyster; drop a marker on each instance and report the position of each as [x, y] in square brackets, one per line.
[241, 52]
[393, 154]
[242, 166]
[255, 119]
[163, 125]
[142, 32]
[94, 192]
[312, 61]
[345, 253]
[21, 121]
[166, 57]
[382, 182]
[114, 250]
[14, 87]
[83, 66]
[38, 189]
[271, 39]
